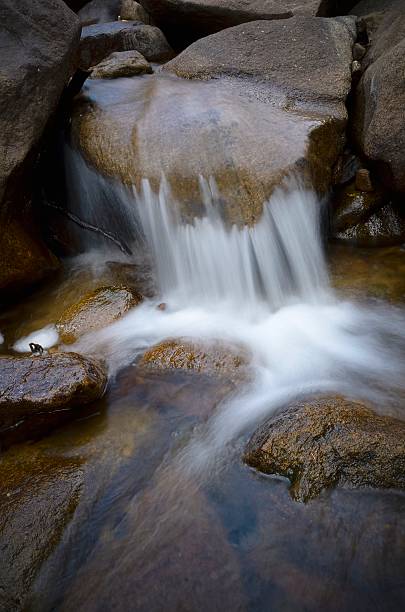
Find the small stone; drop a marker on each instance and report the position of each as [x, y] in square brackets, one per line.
[363, 180]
[121, 64]
[356, 67]
[162, 306]
[359, 51]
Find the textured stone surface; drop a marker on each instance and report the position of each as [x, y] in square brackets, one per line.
[379, 102]
[36, 392]
[100, 40]
[132, 10]
[121, 64]
[327, 442]
[38, 40]
[95, 311]
[196, 18]
[254, 103]
[215, 359]
[99, 11]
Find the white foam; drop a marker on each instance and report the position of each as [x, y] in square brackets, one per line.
[46, 337]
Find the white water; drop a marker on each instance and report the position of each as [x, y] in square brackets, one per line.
[267, 289]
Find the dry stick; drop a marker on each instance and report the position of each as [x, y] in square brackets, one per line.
[91, 228]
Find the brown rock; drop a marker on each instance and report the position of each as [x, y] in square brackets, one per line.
[351, 206]
[133, 11]
[384, 227]
[100, 40]
[37, 393]
[25, 260]
[33, 76]
[363, 180]
[255, 103]
[95, 311]
[214, 359]
[121, 64]
[358, 51]
[327, 442]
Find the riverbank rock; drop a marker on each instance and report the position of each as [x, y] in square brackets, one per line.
[38, 393]
[379, 100]
[352, 206]
[121, 64]
[214, 359]
[100, 40]
[95, 311]
[32, 78]
[191, 19]
[328, 442]
[253, 104]
[383, 227]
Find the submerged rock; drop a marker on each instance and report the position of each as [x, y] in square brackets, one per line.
[121, 64]
[191, 19]
[38, 40]
[38, 393]
[215, 359]
[328, 442]
[95, 311]
[253, 104]
[100, 40]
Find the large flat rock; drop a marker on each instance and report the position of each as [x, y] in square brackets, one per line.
[253, 103]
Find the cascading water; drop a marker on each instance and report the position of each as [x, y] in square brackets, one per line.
[264, 288]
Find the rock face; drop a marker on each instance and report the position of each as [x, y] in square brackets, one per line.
[133, 11]
[100, 40]
[328, 442]
[121, 64]
[32, 78]
[36, 393]
[254, 103]
[217, 359]
[95, 311]
[99, 11]
[202, 17]
[378, 121]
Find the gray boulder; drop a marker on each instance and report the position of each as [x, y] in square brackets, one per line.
[38, 40]
[379, 102]
[195, 18]
[100, 40]
[99, 11]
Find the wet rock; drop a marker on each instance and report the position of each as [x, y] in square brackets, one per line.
[99, 11]
[95, 311]
[328, 442]
[191, 19]
[133, 11]
[38, 495]
[351, 206]
[253, 104]
[121, 64]
[33, 76]
[25, 260]
[100, 40]
[215, 359]
[38, 393]
[363, 180]
[358, 51]
[379, 100]
[384, 227]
